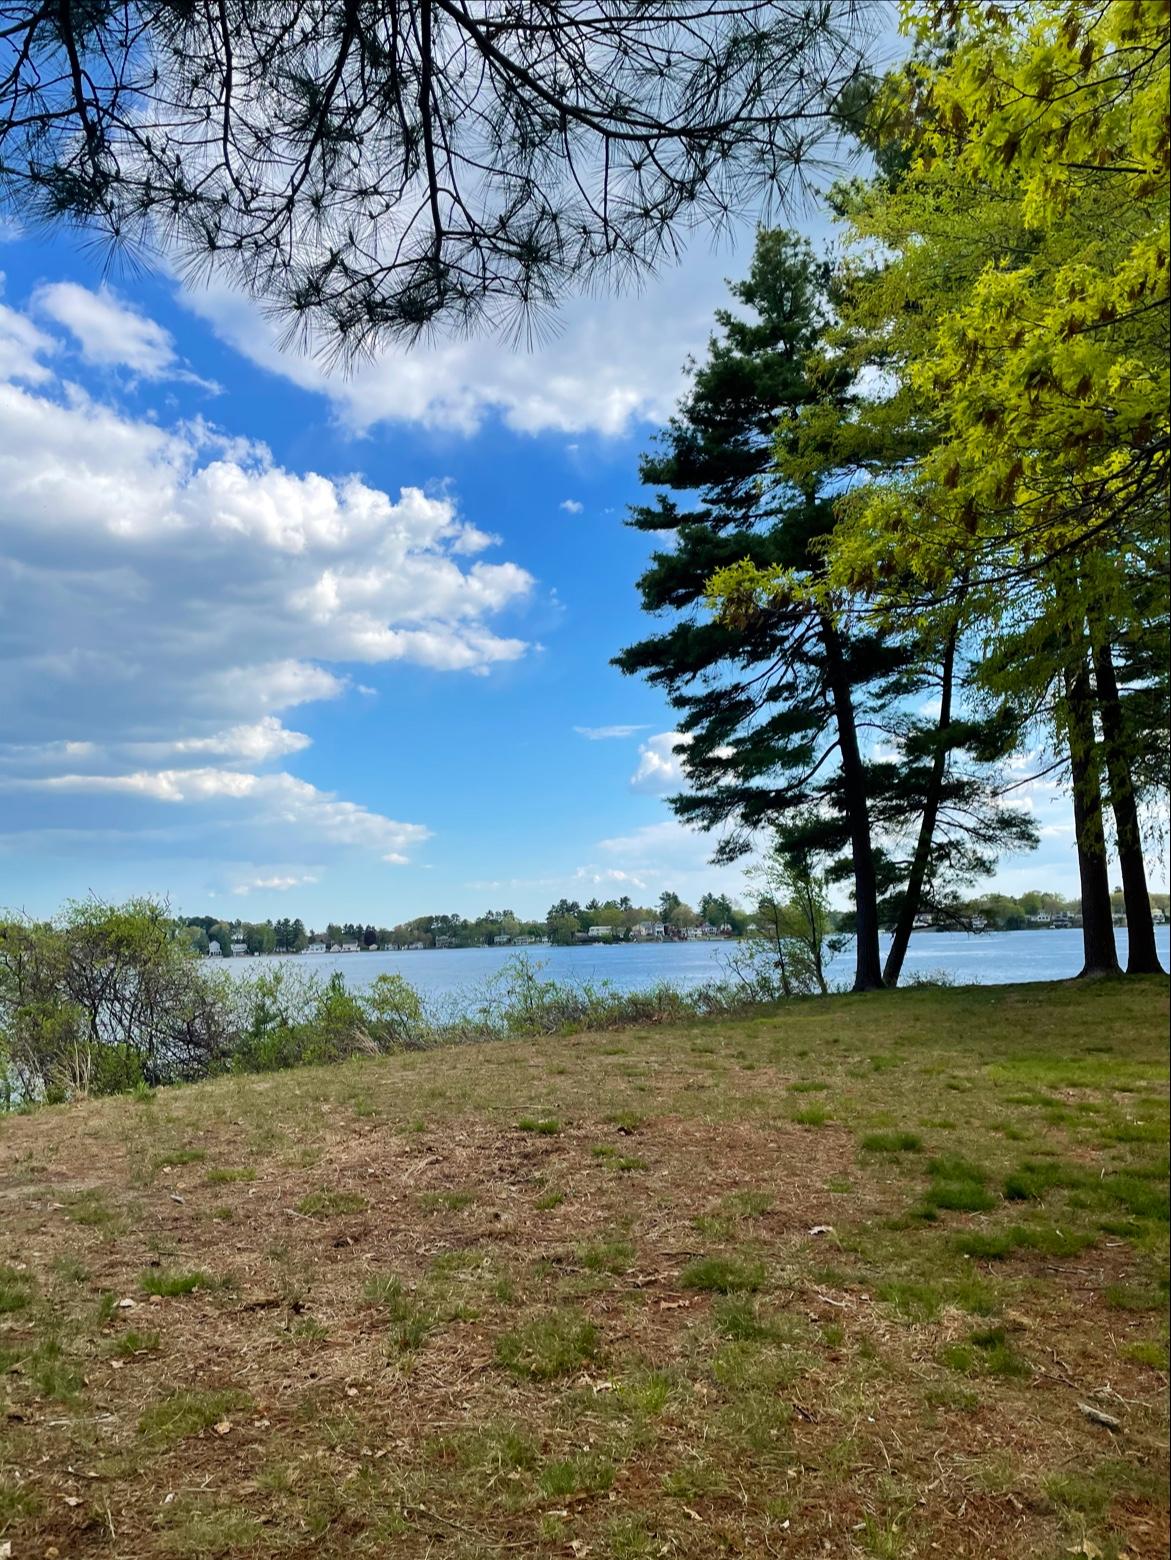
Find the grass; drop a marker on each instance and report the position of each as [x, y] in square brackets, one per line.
[723, 1275]
[188, 1412]
[168, 1283]
[891, 1143]
[325, 1205]
[389, 1308]
[548, 1346]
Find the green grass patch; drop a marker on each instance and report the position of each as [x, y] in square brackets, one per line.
[988, 1352]
[892, 1143]
[16, 1290]
[615, 1255]
[811, 1116]
[324, 1205]
[171, 1282]
[450, 1201]
[178, 1156]
[189, 1412]
[999, 1245]
[544, 1126]
[548, 1346]
[133, 1343]
[723, 1275]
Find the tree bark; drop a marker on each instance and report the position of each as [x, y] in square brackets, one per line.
[1142, 957]
[913, 895]
[868, 964]
[1100, 952]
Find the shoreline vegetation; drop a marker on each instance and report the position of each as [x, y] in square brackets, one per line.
[873, 1276]
[115, 999]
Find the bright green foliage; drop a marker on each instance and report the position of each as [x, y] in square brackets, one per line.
[1032, 233]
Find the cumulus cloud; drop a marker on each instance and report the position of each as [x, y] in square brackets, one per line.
[278, 803]
[168, 593]
[571, 506]
[263, 739]
[155, 579]
[607, 733]
[663, 855]
[111, 334]
[660, 764]
[22, 347]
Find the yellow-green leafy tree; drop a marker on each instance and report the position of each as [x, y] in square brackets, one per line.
[1010, 295]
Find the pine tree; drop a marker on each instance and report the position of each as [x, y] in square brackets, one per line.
[784, 692]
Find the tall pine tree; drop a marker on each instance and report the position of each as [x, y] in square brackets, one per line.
[789, 697]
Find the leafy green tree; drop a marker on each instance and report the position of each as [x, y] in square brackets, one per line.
[1022, 313]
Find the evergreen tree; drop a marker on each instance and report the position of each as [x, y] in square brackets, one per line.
[781, 691]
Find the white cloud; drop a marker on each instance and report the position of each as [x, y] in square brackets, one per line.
[571, 506]
[22, 346]
[660, 764]
[665, 855]
[111, 334]
[153, 580]
[280, 803]
[609, 365]
[607, 733]
[276, 882]
[167, 593]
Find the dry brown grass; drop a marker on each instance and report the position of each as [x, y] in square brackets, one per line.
[395, 1322]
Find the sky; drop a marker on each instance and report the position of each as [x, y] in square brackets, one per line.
[281, 642]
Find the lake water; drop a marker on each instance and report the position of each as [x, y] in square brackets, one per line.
[988, 959]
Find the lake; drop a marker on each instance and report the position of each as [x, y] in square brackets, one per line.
[988, 959]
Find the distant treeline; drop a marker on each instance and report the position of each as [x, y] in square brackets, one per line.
[567, 920]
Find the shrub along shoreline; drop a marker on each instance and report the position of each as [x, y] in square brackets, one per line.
[108, 999]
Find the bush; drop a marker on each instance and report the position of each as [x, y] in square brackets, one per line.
[115, 998]
[105, 998]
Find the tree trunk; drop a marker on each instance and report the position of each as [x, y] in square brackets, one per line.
[912, 898]
[1142, 957]
[868, 965]
[1101, 954]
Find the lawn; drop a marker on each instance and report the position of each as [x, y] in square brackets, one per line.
[880, 1276]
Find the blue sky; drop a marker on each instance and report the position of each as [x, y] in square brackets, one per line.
[277, 642]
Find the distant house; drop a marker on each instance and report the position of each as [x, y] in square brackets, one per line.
[239, 948]
[351, 947]
[524, 942]
[1040, 918]
[214, 951]
[1159, 917]
[415, 946]
[501, 940]
[923, 922]
[651, 929]
[600, 933]
[316, 946]
[440, 942]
